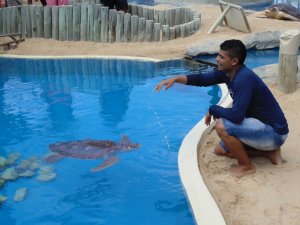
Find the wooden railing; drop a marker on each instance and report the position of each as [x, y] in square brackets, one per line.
[94, 22]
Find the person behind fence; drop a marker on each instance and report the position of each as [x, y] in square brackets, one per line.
[43, 2]
[10, 3]
[116, 4]
[255, 124]
[56, 2]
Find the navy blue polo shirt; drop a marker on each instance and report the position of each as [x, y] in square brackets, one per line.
[251, 98]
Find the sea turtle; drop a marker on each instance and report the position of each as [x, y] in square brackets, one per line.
[90, 149]
[283, 11]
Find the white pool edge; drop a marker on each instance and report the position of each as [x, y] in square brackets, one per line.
[79, 57]
[205, 209]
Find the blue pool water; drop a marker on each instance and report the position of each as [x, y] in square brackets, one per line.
[47, 101]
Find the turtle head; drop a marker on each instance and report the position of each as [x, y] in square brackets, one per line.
[271, 10]
[126, 145]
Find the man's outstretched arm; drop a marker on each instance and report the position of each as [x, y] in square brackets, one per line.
[182, 79]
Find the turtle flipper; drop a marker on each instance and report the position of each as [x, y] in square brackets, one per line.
[107, 163]
[53, 157]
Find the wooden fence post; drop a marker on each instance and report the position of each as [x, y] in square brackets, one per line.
[168, 17]
[149, 30]
[288, 60]
[62, 36]
[177, 16]
[196, 22]
[23, 20]
[182, 30]
[33, 21]
[90, 23]
[6, 20]
[104, 24]
[156, 16]
[76, 22]
[84, 22]
[172, 33]
[1, 21]
[127, 27]
[55, 23]
[187, 29]
[177, 31]
[112, 25]
[28, 22]
[165, 33]
[141, 29]
[134, 9]
[161, 17]
[19, 19]
[145, 13]
[97, 23]
[182, 15]
[140, 11]
[172, 17]
[13, 19]
[69, 23]
[134, 28]
[150, 14]
[39, 13]
[47, 22]
[120, 27]
[157, 28]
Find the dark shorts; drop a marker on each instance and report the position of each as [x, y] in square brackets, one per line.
[254, 133]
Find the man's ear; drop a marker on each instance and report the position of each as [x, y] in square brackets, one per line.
[234, 61]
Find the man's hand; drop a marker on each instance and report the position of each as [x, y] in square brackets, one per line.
[208, 119]
[182, 79]
[167, 83]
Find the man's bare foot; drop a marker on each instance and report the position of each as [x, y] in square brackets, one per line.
[275, 156]
[241, 170]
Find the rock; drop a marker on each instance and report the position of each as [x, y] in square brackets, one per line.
[12, 158]
[9, 174]
[2, 161]
[2, 182]
[35, 165]
[20, 194]
[260, 40]
[46, 176]
[46, 173]
[3, 198]
[24, 165]
[207, 47]
[27, 173]
[46, 169]
[33, 158]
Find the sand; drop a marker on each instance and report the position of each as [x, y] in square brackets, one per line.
[271, 195]
[162, 50]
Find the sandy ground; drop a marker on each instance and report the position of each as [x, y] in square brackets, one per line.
[271, 195]
[161, 50]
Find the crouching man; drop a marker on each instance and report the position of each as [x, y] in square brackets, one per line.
[255, 124]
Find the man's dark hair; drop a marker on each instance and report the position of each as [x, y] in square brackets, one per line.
[235, 49]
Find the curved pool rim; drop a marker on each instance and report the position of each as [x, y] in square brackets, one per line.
[204, 208]
[202, 203]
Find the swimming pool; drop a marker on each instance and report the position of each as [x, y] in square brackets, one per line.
[47, 101]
